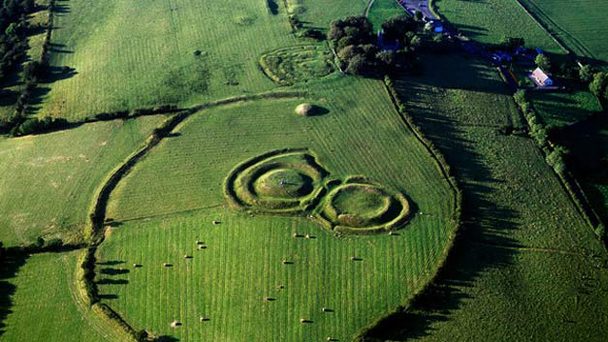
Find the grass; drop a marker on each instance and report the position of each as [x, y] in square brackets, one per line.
[41, 304]
[153, 56]
[49, 180]
[319, 13]
[528, 265]
[34, 53]
[488, 21]
[562, 109]
[576, 24]
[291, 65]
[171, 198]
[383, 10]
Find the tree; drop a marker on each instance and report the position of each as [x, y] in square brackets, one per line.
[396, 27]
[585, 73]
[511, 43]
[543, 62]
[599, 83]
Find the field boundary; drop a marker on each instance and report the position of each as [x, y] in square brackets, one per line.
[445, 170]
[545, 29]
[95, 230]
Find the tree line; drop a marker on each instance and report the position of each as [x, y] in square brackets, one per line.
[359, 51]
[14, 30]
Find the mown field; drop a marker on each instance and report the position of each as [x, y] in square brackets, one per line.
[170, 199]
[34, 53]
[488, 21]
[576, 23]
[561, 109]
[319, 13]
[382, 10]
[43, 303]
[528, 267]
[127, 54]
[49, 180]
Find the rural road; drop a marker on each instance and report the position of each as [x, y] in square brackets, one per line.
[418, 5]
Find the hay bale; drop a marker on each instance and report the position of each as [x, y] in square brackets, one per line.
[204, 319]
[202, 246]
[305, 109]
[176, 324]
[186, 256]
[166, 264]
[215, 222]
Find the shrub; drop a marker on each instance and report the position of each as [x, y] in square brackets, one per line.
[37, 125]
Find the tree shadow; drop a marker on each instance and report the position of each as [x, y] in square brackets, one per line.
[9, 266]
[486, 221]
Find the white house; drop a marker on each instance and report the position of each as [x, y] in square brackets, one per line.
[541, 78]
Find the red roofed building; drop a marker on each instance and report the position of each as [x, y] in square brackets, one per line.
[541, 78]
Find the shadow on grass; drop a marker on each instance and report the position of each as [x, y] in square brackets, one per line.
[486, 221]
[9, 267]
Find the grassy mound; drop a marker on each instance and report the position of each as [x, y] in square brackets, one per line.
[361, 207]
[283, 183]
[362, 201]
[297, 64]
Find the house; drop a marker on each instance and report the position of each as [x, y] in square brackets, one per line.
[541, 78]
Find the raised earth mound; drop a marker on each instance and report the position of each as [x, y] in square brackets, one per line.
[287, 66]
[291, 181]
[285, 181]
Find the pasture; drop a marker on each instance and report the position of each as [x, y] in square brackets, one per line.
[44, 305]
[49, 180]
[382, 10]
[257, 273]
[489, 21]
[183, 52]
[576, 23]
[527, 261]
[561, 109]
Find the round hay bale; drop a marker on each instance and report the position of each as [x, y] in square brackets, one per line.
[305, 109]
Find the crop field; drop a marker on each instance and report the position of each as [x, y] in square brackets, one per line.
[488, 21]
[44, 305]
[183, 51]
[529, 262]
[171, 198]
[49, 181]
[576, 24]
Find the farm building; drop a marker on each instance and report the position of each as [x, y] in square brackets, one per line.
[541, 78]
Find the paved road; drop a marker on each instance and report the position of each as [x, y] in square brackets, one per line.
[418, 5]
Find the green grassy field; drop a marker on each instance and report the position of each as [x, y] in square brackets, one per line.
[44, 304]
[382, 10]
[49, 180]
[34, 53]
[488, 21]
[561, 109]
[528, 267]
[576, 24]
[321, 12]
[151, 59]
[171, 198]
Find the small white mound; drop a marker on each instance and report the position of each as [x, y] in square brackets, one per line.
[304, 109]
